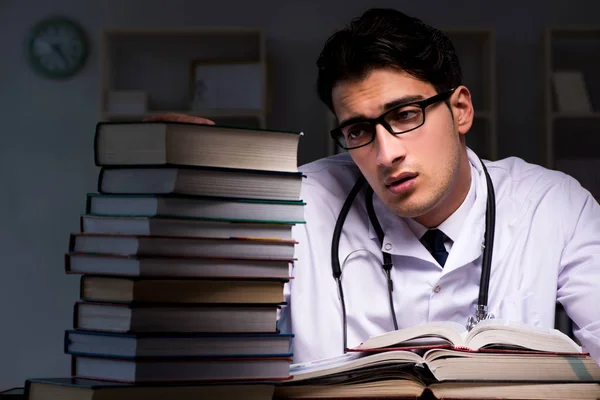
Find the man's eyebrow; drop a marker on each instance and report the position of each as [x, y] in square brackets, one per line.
[403, 100]
[387, 106]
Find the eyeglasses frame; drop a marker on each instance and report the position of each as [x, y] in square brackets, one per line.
[336, 133]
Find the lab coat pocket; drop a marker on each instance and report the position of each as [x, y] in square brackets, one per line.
[519, 307]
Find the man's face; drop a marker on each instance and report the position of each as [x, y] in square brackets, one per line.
[415, 172]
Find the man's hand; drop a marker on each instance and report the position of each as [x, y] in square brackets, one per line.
[178, 117]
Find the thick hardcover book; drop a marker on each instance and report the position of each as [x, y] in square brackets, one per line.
[209, 369]
[496, 359]
[175, 345]
[138, 245]
[191, 227]
[182, 318]
[174, 266]
[179, 206]
[407, 387]
[87, 389]
[201, 181]
[182, 291]
[121, 143]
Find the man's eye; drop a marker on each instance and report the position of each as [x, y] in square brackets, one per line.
[406, 114]
[357, 131]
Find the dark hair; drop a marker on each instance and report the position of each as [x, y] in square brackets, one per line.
[387, 38]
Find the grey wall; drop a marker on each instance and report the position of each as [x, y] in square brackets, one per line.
[46, 127]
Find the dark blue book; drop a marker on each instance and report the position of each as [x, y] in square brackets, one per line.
[88, 389]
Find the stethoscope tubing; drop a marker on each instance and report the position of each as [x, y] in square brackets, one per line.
[488, 246]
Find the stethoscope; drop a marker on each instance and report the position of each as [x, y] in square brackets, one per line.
[481, 311]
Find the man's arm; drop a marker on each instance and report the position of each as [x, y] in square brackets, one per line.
[579, 273]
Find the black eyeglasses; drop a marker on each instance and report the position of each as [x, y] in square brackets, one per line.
[397, 120]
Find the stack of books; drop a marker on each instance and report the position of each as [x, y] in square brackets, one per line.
[183, 255]
[442, 360]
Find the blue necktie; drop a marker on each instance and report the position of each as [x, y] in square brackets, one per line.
[433, 240]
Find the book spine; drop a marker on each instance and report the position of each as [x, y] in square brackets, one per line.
[73, 366]
[88, 203]
[81, 284]
[27, 390]
[100, 179]
[75, 316]
[72, 239]
[66, 342]
[67, 263]
[96, 140]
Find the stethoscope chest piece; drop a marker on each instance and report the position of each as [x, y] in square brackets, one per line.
[481, 313]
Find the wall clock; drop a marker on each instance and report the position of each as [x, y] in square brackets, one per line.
[57, 47]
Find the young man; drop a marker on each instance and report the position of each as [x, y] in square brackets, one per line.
[395, 86]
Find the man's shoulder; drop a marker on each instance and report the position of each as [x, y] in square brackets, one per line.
[525, 180]
[335, 174]
[328, 165]
[517, 169]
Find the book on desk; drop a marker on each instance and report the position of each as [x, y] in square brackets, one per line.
[497, 359]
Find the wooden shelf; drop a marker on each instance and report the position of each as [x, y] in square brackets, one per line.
[210, 114]
[572, 140]
[572, 115]
[159, 63]
[573, 31]
[570, 48]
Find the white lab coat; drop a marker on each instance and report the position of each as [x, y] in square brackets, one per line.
[546, 249]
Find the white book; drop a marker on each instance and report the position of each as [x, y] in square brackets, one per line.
[571, 92]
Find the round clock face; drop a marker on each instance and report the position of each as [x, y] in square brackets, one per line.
[57, 47]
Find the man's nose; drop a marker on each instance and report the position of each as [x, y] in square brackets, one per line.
[390, 148]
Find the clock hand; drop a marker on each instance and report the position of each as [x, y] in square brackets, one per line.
[60, 53]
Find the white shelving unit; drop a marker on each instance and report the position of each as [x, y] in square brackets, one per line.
[573, 135]
[476, 51]
[159, 63]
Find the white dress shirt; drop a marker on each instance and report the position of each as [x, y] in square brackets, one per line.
[546, 249]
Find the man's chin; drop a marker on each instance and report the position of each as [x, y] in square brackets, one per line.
[408, 209]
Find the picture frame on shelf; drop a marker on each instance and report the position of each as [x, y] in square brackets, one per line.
[225, 86]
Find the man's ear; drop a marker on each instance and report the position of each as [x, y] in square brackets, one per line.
[462, 109]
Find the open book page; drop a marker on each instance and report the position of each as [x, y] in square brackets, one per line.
[429, 334]
[427, 365]
[354, 361]
[446, 364]
[498, 333]
[386, 381]
[489, 334]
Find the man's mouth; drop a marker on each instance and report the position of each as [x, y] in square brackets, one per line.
[399, 179]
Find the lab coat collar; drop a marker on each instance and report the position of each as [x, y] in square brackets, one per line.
[400, 240]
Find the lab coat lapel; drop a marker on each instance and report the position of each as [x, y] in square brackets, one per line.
[509, 215]
[468, 246]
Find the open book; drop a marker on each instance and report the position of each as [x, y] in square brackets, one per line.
[411, 389]
[488, 335]
[442, 355]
